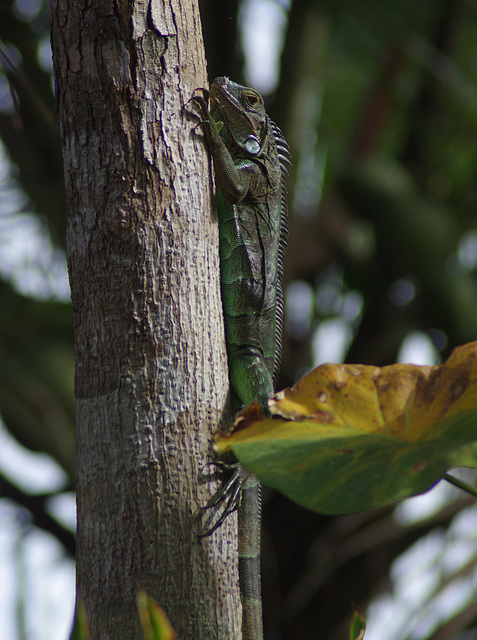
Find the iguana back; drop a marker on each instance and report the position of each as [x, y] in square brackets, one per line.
[253, 237]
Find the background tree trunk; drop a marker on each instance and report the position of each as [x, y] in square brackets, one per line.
[151, 375]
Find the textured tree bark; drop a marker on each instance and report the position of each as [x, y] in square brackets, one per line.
[151, 377]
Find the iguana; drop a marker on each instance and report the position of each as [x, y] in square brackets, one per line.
[250, 157]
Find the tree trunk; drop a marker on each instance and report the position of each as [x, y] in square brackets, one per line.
[151, 373]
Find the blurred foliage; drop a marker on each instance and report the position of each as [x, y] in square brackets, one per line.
[36, 333]
[154, 622]
[358, 626]
[379, 103]
[80, 629]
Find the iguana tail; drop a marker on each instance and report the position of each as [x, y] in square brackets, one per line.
[249, 558]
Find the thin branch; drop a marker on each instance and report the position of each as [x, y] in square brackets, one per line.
[461, 485]
[35, 504]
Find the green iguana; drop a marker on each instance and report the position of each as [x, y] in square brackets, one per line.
[250, 157]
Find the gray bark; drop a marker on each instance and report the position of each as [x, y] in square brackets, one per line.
[151, 373]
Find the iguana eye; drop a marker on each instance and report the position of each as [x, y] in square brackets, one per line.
[251, 99]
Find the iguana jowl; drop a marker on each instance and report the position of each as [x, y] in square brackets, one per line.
[250, 157]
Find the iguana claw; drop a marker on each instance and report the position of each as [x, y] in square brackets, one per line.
[229, 492]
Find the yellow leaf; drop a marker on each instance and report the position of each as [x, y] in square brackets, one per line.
[394, 430]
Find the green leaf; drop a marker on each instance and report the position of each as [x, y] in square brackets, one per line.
[358, 626]
[80, 628]
[346, 438]
[154, 621]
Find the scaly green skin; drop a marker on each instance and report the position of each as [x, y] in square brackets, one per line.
[250, 156]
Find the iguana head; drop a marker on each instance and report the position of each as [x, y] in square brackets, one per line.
[243, 113]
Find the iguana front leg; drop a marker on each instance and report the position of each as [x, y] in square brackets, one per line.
[233, 180]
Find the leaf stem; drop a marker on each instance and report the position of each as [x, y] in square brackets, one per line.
[461, 485]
